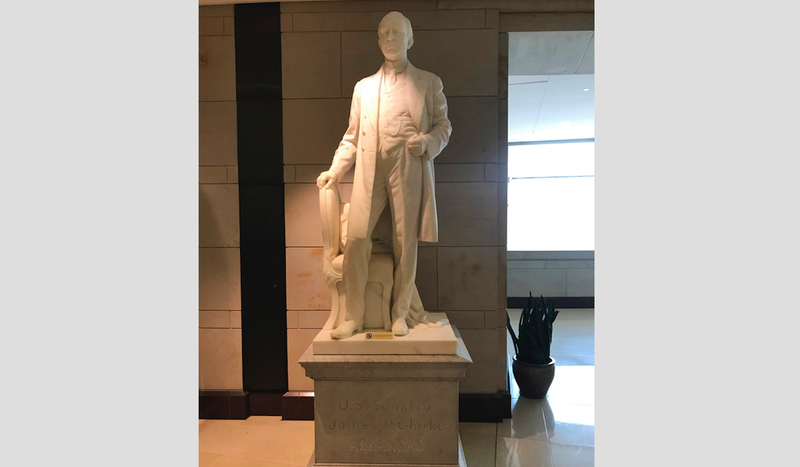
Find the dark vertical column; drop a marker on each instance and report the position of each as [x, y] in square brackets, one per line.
[260, 141]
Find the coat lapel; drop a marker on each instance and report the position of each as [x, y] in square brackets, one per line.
[372, 95]
[416, 94]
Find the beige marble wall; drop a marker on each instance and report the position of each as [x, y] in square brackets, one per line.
[466, 44]
[220, 320]
[464, 273]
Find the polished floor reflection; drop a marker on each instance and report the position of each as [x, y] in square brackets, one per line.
[554, 432]
[557, 431]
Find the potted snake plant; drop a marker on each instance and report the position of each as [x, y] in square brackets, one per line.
[533, 367]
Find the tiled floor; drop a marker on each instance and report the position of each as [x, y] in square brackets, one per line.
[555, 432]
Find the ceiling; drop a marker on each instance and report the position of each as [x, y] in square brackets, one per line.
[550, 85]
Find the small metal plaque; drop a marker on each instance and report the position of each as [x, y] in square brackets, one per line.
[379, 335]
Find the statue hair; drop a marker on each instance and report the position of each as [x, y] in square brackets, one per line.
[406, 22]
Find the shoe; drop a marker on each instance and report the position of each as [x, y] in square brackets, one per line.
[400, 328]
[345, 330]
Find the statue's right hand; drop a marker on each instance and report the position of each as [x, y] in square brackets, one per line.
[326, 179]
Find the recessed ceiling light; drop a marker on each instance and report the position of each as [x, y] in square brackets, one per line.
[586, 89]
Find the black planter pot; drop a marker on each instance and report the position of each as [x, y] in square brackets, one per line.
[534, 379]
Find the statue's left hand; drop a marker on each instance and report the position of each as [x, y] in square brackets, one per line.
[326, 179]
[416, 145]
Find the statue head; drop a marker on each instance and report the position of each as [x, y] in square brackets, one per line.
[395, 36]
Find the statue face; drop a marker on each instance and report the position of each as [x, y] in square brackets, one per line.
[393, 38]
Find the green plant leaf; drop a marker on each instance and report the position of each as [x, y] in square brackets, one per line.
[533, 341]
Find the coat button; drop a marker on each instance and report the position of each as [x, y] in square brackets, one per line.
[363, 133]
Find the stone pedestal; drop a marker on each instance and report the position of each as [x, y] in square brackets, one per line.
[387, 410]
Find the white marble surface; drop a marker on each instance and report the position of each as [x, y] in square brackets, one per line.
[399, 116]
[421, 340]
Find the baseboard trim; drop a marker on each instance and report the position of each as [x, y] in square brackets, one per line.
[506, 404]
[298, 405]
[560, 302]
[265, 403]
[489, 408]
[224, 404]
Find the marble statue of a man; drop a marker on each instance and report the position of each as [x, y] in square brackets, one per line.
[398, 125]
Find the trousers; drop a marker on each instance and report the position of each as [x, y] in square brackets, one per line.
[398, 182]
